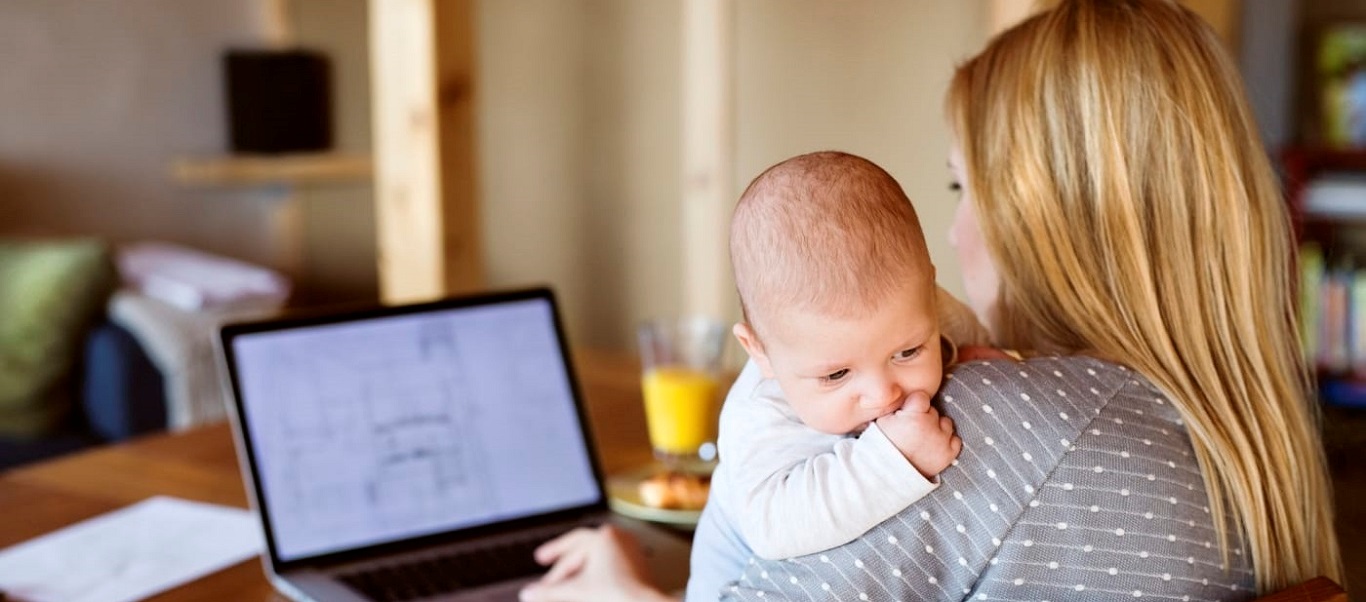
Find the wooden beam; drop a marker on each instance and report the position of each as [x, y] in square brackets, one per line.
[278, 24]
[708, 155]
[422, 91]
[262, 170]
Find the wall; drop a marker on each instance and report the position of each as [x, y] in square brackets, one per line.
[97, 97]
[339, 221]
[1267, 61]
[532, 102]
[579, 139]
[863, 77]
[634, 189]
[579, 152]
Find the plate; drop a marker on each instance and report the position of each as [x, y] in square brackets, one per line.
[623, 497]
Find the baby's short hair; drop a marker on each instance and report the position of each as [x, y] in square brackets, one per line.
[828, 232]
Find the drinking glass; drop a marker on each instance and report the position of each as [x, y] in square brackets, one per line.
[681, 362]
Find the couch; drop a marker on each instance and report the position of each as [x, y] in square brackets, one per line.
[98, 345]
[68, 377]
[117, 393]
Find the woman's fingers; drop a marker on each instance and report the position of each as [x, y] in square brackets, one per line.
[547, 552]
[566, 566]
[566, 554]
[592, 565]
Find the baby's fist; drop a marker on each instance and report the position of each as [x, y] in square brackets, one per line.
[925, 438]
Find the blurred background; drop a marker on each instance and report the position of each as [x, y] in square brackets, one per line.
[117, 126]
[577, 127]
[577, 132]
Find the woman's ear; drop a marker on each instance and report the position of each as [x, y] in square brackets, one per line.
[750, 341]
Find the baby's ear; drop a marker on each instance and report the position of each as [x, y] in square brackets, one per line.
[750, 341]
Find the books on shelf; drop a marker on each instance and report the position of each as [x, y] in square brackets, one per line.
[1311, 278]
[1333, 322]
[1336, 196]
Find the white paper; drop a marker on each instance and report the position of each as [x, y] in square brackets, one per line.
[131, 553]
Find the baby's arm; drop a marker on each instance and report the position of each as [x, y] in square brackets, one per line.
[800, 491]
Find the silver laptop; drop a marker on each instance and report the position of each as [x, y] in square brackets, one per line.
[418, 452]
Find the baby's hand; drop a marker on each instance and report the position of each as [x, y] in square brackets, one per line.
[925, 438]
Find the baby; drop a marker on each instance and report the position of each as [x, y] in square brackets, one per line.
[829, 429]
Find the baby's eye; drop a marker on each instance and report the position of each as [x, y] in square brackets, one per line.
[955, 186]
[836, 375]
[911, 353]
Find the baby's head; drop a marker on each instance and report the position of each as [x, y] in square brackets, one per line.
[837, 288]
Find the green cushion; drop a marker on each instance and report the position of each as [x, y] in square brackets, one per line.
[50, 294]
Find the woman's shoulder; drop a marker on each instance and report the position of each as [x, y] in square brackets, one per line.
[1055, 399]
[1123, 509]
[1075, 389]
[1062, 391]
[1049, 374]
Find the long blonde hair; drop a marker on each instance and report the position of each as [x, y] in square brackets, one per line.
[1132, 212]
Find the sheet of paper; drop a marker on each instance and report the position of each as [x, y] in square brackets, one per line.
[130, 553]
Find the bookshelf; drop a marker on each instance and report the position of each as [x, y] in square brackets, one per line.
[1320, 43]
[282, 176]
[1326, 189]
[272, 170]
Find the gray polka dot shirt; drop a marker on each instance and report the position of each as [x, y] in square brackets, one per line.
[1077, 481]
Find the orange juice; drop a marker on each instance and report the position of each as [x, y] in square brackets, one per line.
[681, 409]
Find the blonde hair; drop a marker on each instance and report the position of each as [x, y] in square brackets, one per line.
[826, 231]
[1132, 211]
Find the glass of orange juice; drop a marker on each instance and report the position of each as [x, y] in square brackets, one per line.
[681, 362]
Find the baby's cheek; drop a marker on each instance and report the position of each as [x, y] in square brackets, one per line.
[834, 424]
[934, 377]
[827, 416]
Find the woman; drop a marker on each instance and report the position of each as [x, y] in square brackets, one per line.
[1118, 211]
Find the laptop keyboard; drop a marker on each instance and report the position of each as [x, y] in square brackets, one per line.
[466, 569]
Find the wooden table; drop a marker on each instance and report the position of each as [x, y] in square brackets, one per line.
[201, 465]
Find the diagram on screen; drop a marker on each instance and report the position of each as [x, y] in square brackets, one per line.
[378, 429]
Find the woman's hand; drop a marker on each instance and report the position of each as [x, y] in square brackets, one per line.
[593, 565]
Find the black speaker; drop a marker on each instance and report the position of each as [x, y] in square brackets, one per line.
[279, 101]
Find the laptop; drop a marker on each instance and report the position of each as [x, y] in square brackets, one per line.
[418, 452]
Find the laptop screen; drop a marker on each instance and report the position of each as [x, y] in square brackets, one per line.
[384, 429]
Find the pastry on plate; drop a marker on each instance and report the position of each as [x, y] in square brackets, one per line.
[675, 490]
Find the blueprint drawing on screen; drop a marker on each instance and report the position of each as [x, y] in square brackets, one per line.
[379, 430]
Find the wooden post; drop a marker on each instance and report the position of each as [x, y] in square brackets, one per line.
[422, 91]
[278, 22]
[708, 155]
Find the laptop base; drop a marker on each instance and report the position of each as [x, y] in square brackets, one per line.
[666, 553]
